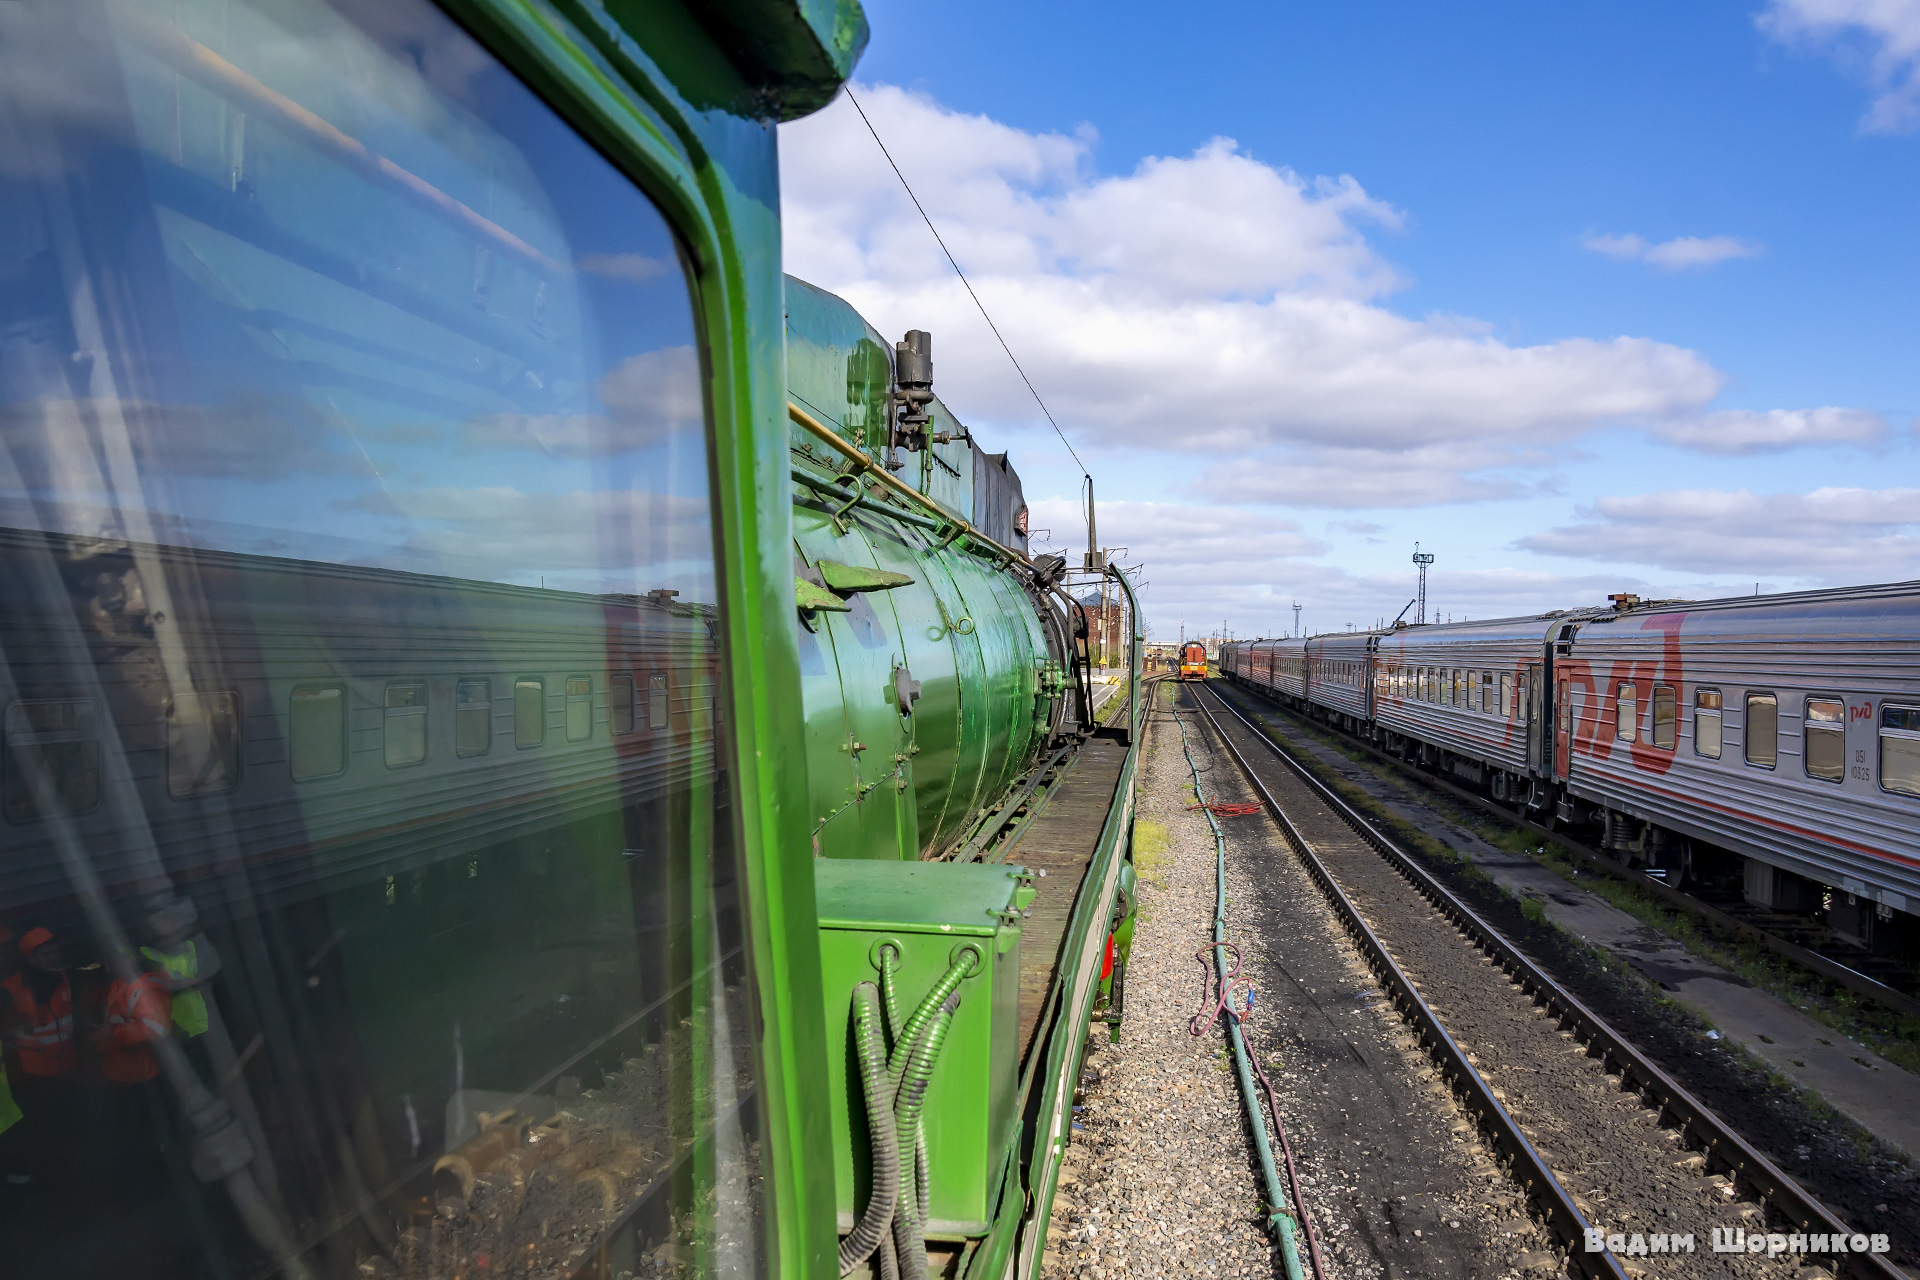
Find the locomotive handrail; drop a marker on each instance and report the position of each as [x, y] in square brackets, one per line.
[826, 435]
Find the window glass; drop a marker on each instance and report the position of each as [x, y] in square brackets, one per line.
[203, 744]
[404, 727]
[1663, 716]
[1506, 694]
[1825, 730]
[1473, 690]
[472, 717]
[656, 702]
[1446, 685]
[620, 704]
[529, 711]
[53, 749]
[317, 732]
[1706, 722]
[332, 359]
[579, 708]
[1626, 714]
[1763, 729]
[1900, 749]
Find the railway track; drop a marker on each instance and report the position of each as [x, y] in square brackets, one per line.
[1596, 1135]
[1790, 939]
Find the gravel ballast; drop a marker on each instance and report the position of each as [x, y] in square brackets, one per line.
[1161, 1179]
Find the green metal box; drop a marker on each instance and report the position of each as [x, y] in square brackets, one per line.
[930, 910]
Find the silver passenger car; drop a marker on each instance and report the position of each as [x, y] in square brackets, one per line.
[1785, 728]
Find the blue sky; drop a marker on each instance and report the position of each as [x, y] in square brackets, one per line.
[1584, 297]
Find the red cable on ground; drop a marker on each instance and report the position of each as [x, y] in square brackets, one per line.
[1227, 810]
[1222, 1004]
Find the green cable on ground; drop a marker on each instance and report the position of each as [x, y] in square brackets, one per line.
[1281, 1218]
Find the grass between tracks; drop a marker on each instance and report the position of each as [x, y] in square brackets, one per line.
[1894, 1036]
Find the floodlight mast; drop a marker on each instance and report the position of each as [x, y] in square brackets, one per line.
[1422, 559]
[1296, 619]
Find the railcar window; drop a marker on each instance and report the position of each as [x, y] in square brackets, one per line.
[317, 731]
[203, 744]
[1473, 690]
[53, 748]
[1825, 742]
[620, 704]
[579, 708]
[1706, 723]
[404, 727]
[656, 702]
[1763, 729]
[472, 717]
[1900, 749]
[1489, 695]
[1663, 716]
[1626, 713]
[529, 711]
[326, 343]
[1506, 694]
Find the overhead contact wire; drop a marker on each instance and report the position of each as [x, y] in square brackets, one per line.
[1286, 1208]
[848, 90]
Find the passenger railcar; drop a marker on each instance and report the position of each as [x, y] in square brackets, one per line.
[1775, 739]
[1339, 676]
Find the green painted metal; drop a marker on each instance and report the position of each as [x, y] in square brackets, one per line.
[929, 911]
[958, 621]
[690, 117]
[851, 577]
[823, 760]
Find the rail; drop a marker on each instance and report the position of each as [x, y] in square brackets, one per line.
[1696, 1122]
[1827, 967]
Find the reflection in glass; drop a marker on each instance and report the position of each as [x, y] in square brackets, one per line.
[342, 388]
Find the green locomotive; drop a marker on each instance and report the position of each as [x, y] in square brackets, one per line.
[531, 744]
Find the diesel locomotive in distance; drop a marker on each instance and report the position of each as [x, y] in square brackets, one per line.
[1193, 661]
[1775, 739]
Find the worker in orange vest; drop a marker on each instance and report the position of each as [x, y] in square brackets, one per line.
[38, 1016]
[138, 1012]
[41, 1033]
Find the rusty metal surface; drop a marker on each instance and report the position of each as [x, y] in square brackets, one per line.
[1061, 841]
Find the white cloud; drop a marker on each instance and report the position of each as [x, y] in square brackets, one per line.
[1676, 254]
[1879, 37]
[1742, 431]
[1207, 301]
[1374, 479]
[633, 268]
[1209, 564]
[649, 397]
[1830, 535]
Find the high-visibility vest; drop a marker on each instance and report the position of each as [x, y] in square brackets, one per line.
[9, 1109]
[138, 1013]
[43, 1033]
[182, 966]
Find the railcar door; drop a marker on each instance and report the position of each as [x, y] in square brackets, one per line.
[1563, 729]
[1534, 721]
